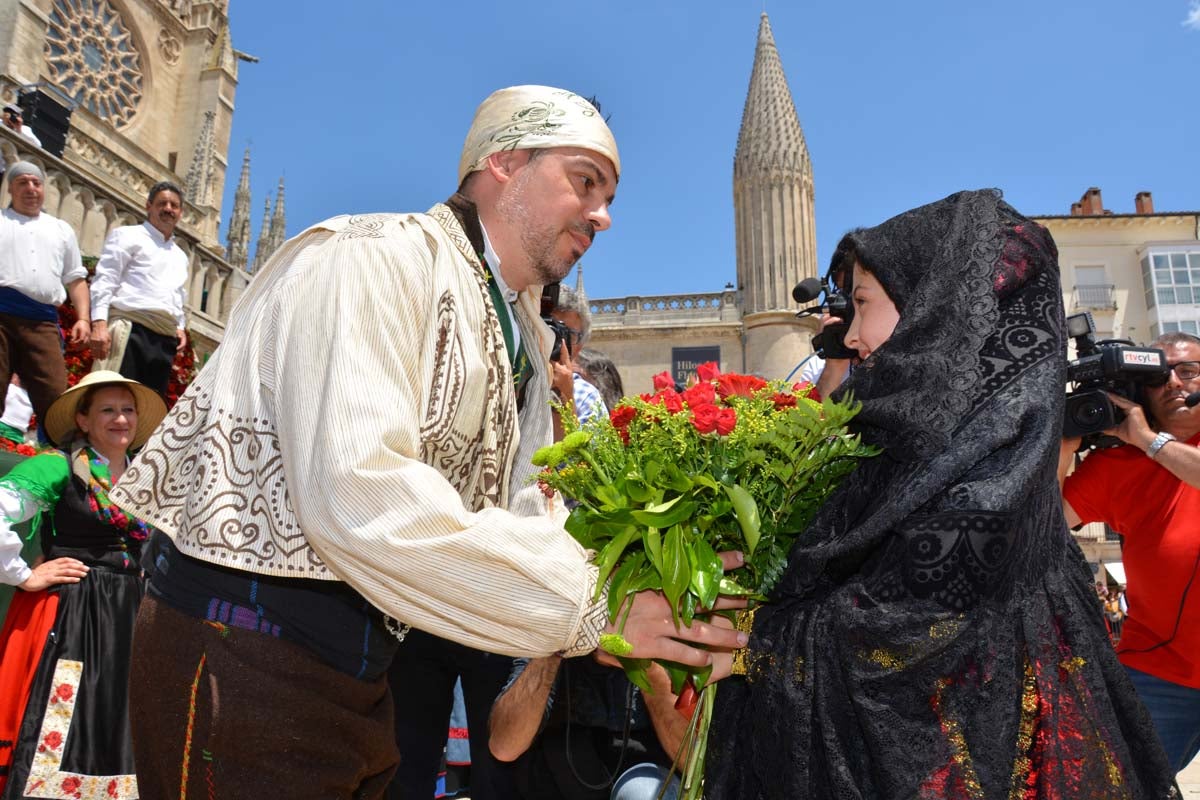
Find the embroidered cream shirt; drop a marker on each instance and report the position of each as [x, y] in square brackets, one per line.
[358, 423]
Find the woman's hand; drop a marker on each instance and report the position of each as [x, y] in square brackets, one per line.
[50, 573]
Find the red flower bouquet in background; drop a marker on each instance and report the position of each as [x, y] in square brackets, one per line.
[670, 479]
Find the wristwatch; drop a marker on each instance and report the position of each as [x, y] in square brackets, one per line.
[1158, 443]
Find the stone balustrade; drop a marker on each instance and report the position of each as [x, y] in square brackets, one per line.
[93, 210]
[669, 309]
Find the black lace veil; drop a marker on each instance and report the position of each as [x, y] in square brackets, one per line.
[936, 633]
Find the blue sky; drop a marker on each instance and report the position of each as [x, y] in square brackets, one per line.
[901, 103]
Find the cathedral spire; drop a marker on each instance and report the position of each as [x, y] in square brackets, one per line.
[238, 240]
[278, 223]
[579, 281]
[263, 249]
[772, 188]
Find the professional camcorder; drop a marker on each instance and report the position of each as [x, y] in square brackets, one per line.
[830, 342]
[1108, 365]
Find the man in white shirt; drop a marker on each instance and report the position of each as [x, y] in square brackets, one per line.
[138, 294]
[39, 267]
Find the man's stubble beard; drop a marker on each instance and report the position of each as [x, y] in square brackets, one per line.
[537, 240]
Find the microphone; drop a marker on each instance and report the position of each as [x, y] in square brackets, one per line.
[1192, 400]
[807, 290]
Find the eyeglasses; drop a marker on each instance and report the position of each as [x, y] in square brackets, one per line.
[1183, 371]
[1186, 370]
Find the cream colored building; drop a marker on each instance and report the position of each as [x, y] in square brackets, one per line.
[1139, 275]
[151, 85]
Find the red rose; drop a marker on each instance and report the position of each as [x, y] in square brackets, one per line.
[726, 420]
[700, 394]
[739, 385]
[784, 400]
[621, 416]
[708, 371]
[53, 740]
[65, 691]
[704, 418]
[71, 785]
[663, 380]
[671, 400]
[806, 389]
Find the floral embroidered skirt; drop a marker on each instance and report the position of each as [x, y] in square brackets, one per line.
[73, 740]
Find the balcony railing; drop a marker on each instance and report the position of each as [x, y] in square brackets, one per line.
[1096, 296]
[669, 309]
[93, 210]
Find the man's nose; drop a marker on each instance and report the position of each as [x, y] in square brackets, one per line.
[600, 218]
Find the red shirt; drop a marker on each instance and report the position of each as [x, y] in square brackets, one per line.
[1159, 515]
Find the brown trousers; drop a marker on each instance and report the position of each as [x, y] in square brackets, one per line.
[221, 712]
[34, 351]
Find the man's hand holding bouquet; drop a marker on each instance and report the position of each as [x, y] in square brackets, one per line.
[671, 479]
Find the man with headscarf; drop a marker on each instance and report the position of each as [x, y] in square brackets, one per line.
[364, 431]
[40, 266]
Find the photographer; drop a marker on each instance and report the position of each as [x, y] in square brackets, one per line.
[14, 119]
[572, 322]
[1149, 490]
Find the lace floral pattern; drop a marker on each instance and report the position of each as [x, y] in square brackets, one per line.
[936, 634]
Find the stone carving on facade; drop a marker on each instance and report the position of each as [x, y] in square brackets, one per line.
[197, 186]
[169, 47]
[90, 55]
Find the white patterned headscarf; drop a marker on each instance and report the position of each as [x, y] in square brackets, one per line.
[529, 117]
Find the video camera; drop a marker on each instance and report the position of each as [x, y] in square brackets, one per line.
[562, 334]
[1108, 365]
[831, 342]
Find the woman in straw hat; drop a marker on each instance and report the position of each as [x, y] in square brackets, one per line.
[64, 729]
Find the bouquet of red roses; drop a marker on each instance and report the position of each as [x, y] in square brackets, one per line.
[670, 479]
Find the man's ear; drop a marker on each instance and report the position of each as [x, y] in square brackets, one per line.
[502, 166]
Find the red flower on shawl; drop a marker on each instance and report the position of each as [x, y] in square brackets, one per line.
[739, 385]
[111, 791]
[708, 371]
[71, 785]
[64, 692]
[700, 394]
[663, 380]
[784, 400]
[53, 740]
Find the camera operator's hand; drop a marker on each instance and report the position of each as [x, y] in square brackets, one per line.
[562, 380]
[1066, 457]
[836, 369]
[1134, 429]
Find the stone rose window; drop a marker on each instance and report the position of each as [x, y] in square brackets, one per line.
[91, 56]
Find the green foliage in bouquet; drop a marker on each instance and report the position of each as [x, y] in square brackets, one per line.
[668, 480]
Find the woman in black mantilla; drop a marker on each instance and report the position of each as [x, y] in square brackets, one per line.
[936, 634]
[64, 677]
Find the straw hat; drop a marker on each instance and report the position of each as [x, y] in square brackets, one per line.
[60, 417]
